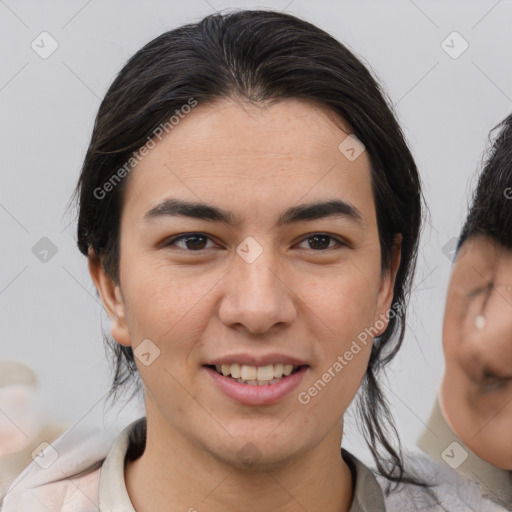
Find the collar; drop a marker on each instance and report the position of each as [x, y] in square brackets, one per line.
[113, 495]
[438, 436]
[367, 493]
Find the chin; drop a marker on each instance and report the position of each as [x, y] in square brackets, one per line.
[257, 454]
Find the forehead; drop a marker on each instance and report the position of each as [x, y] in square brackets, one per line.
[228, 150]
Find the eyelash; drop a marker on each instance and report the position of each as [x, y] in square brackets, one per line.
[177, 238]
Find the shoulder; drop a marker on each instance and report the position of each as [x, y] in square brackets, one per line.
[74, 493]
[64, 476]
[442, 489]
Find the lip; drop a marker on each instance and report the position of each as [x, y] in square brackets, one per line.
[257, 395]
[253, 360]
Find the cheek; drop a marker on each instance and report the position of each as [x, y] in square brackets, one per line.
[346, 302]
[159, 297]
[346, 308]
[176, 304]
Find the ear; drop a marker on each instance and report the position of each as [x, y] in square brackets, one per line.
[111, 297]
[387, 285]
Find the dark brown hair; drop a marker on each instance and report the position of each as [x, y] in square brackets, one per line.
[490, 213]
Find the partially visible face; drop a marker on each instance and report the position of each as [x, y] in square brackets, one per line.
[477, 337]
[19, 421]
[255, 293]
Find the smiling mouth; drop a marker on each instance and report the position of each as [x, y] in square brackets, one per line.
[256, 375]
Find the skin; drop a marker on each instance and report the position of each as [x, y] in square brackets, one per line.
[295, 299]
[476, 391]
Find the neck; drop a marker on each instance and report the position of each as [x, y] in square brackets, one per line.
[175, 474]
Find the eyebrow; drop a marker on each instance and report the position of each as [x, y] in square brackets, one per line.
[303, 212]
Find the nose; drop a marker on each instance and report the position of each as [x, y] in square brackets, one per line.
[257, 296]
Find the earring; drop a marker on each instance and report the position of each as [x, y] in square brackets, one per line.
[480, 321]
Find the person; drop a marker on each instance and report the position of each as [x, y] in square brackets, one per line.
[470, 423]
[24, 427]
[250, 211]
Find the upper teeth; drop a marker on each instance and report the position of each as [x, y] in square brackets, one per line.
[245, 372]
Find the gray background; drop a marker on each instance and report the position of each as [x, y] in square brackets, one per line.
[49, 315]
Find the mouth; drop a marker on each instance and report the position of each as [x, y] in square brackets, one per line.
[256, 375]
[256, 385]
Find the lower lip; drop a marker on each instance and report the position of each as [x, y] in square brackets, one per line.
[258, 395]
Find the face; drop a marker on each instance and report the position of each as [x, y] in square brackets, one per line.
[477, 338]
[282, 287]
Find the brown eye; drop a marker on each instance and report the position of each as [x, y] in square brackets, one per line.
[321, 241]
[191, 241]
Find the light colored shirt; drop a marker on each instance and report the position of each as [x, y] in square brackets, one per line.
[113, 495]
[85, 473]
[440, 442]
[12, 464]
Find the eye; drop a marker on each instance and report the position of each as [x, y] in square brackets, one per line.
[491, 385]
[197, 241]
[490, 381]
[321, 241]
[191, 241]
